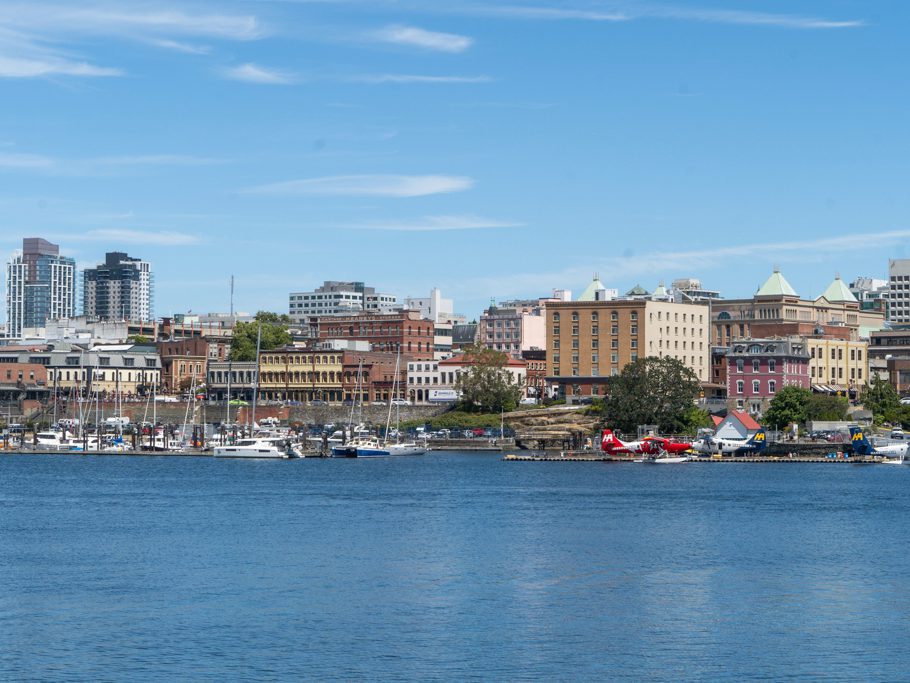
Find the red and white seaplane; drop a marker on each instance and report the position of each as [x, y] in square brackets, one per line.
[651, 448]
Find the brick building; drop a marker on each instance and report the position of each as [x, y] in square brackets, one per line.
[389, 332]
[759, 368]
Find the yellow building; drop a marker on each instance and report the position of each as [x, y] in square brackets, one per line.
[838, 363]
[588, 341]
[299, 374]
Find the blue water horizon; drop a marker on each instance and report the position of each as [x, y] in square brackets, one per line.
[450, 566]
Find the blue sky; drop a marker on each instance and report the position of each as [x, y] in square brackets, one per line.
[491, 149]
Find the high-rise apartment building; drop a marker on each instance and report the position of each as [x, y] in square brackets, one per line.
[118, 289]
[899, 291]
[40, 286]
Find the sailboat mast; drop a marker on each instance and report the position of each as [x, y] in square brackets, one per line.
[227, 417]
[256, 379]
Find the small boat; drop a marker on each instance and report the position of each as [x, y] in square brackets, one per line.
[409, 448]
[899, 460]
[252, 448]
[665, 459]
[56, 441]
[360, 447]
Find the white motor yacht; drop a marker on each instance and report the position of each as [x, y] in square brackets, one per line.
[253, 448]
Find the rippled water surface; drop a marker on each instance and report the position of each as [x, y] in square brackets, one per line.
[451, 566]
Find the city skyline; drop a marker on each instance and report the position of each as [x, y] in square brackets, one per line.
[488, 150]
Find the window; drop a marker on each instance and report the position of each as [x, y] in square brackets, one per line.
[772, 366]
[574, 343]
[633, 329]
[594, 330]
[756, 365]
[739, 364]
[633, 344]
[556, 317]
[594, 316]
[594, 344]
[614, 329]
[740, 386]
[772, 386]
[756, 386]
[556, 344]
[556, 331]
[574, 316]
[574, 329]
[614, 315]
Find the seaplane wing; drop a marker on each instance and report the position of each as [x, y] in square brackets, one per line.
[657, 444]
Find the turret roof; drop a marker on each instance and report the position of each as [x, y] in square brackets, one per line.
[776, 285]
[590, 293]
[838, 292]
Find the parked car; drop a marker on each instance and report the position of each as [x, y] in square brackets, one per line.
[400, 402]
[897, 433]
[318, 402]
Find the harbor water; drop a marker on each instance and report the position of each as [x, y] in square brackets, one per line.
[450, 566]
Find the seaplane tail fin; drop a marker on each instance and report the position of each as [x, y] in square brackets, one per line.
[861, 445]
[758, 441]
[608, 442]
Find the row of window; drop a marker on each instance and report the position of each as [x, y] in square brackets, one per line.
[301, 359]
[614, 315]
[756, 386]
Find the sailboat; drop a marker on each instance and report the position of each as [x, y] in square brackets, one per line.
[398, 448]
[365, 446]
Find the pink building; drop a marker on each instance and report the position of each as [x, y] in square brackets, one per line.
[758, 368]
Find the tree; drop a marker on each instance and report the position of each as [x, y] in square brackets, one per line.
[274, 334]
[694, 419]
[881, 398]
[787, 407]
[139, 339]
[485, 384]
[652, 390]
[826, 407]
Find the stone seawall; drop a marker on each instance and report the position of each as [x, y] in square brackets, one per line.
[175, 413]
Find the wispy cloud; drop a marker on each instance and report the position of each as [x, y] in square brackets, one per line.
[94, 165]
[531, 12]
[695, 261]
[34, 36]
[417, 37]
[435, 224]
[610, 11]
[252, 73]
[747, 18]
[25, 161]
[368, 186]
[378, 79]
[24, 67]
[137, 22]
[141, 237]
[179, 46]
